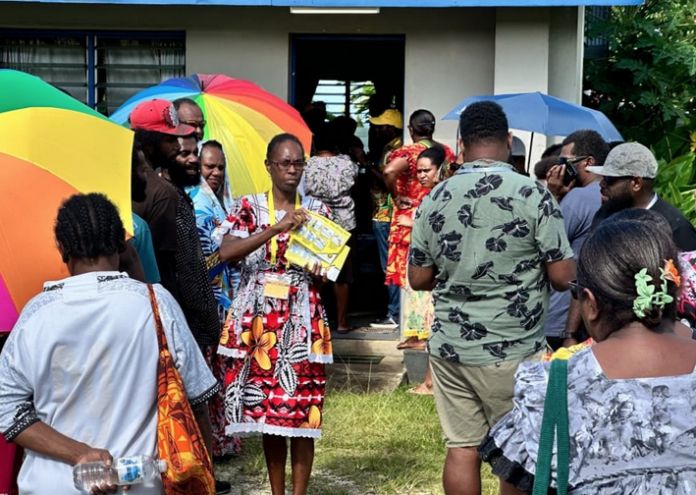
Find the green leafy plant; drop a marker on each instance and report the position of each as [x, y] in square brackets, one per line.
[646, 85]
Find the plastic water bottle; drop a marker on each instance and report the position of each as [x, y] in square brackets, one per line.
[123, 471]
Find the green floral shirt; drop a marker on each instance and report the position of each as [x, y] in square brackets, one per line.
[489, 233]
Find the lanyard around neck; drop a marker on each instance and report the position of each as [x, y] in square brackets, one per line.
[272, 221]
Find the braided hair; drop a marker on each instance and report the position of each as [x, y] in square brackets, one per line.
[88, 226]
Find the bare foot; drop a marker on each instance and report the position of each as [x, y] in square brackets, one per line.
[422, 389]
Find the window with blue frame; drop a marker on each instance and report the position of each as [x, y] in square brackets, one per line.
[100, 68]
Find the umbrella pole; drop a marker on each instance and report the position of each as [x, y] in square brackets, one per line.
[529, 157]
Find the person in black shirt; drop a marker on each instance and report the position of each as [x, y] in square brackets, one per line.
[170, 147]
[628, 182]
[157, 128]
[169, 214]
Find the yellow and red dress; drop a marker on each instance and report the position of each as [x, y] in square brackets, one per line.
[407, 186]
[275, 382]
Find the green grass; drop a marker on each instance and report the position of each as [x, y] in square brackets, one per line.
[379, 443]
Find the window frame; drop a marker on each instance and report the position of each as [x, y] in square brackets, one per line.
[91, 36]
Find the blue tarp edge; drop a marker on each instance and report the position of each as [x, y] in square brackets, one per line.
[354, 3]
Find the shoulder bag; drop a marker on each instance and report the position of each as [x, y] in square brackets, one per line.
[179, 441]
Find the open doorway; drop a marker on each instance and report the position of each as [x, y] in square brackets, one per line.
[342, 73]
[346, 67]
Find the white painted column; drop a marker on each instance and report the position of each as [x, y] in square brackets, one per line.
[522, 60]
[540, 50]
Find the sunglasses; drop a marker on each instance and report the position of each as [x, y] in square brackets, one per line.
[575, 288]
[613, 180]
[565, 160]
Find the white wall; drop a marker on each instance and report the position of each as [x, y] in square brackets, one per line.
[442, 48]
[451, 54]
[539, 49]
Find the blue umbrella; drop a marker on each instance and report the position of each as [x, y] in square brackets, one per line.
[537, 112]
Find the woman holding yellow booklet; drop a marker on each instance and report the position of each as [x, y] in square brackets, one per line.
[276, 335]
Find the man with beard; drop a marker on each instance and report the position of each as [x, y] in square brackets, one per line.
[628, 179]
[157, 129]
[156, 125]
[168, 211]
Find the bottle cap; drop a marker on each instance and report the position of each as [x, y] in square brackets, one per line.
[162, 466]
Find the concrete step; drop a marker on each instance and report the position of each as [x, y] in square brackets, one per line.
[364, 366]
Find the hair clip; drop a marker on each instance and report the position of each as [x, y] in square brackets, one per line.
[648, 296]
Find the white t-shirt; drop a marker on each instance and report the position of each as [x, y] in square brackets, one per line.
[83, 359]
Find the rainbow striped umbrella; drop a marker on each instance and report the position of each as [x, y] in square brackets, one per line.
[241, 115]
[51, 147]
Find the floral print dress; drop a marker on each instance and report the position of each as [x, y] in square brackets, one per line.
[408, 187]
[627, 436]
[276, 381]
[330, 179]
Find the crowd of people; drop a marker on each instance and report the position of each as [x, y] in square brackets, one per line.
[487, 269]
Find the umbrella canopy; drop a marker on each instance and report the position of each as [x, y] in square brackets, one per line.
[241, 115]
[537, 112]
[51, 147]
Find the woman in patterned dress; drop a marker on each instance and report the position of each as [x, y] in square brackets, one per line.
[212, 200]
[631, 395]
[407, 192]
[276, 335]
[417, 306]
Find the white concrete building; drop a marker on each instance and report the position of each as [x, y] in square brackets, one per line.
[430, 54]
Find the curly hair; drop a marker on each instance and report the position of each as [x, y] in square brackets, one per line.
[588, 143]
[89, 226]
[483, 122]
[148, 138]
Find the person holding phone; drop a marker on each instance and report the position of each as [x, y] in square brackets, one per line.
[577, 191]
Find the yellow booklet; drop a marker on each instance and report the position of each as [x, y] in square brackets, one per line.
[319, 240]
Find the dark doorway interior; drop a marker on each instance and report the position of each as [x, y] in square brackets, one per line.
[321, 64]
[379, 59]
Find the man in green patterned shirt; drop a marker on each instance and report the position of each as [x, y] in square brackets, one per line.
[487, 242]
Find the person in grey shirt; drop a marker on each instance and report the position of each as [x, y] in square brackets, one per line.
[579, 200]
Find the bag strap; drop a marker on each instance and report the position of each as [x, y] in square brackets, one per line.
[161, 337]
[554, 425]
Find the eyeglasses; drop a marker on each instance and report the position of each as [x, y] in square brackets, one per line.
[575, 289]
[299, 165]
[194, 123]
[571, 160]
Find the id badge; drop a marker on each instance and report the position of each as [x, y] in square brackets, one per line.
[277, 286]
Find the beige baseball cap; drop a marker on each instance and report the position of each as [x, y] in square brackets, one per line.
[628, 160]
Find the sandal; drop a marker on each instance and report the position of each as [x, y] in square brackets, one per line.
[418, 391]
[344, 331]
[411, 343]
